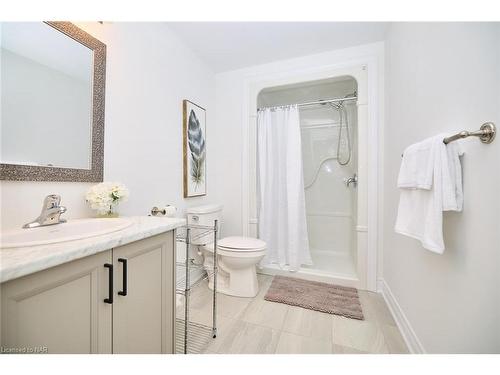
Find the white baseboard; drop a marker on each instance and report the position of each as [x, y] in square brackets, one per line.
[411, 339]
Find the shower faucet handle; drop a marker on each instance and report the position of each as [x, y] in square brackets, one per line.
[351, 180]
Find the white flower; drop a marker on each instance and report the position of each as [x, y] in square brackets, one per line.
[103, 196]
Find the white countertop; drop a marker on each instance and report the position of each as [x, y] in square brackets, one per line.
[22, 261]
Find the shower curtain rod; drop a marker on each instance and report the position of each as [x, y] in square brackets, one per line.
[323, 101]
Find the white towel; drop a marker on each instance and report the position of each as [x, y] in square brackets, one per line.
[454, 151]
[417, 166]
[430, 182]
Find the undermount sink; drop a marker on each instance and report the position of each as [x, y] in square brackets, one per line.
[69, 231]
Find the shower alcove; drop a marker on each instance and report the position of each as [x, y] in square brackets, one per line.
[334, 149]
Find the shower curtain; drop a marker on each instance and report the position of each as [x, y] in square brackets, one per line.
[282, 209]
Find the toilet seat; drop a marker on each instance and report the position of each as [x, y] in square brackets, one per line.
[238, 246]
[241, 244]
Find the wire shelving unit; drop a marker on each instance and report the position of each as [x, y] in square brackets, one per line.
[191, 337]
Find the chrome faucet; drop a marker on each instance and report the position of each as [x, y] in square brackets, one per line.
[51, 212]
[351, 180]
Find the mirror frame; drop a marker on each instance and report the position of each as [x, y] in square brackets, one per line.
[18, 172]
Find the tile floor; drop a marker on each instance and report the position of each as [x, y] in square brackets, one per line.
[256, 326]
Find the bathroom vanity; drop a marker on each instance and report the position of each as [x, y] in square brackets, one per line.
[111, 293]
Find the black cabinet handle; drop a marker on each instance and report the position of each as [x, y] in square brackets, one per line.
[110, 283]
[123, 292]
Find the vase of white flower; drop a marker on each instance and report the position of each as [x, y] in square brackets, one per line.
[105, 197]
[111, 212]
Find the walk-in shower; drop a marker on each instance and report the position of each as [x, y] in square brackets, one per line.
[328, 127]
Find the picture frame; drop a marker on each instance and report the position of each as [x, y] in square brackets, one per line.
[194, 149]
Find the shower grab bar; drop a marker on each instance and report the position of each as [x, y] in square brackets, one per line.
[486, 134]
[320, 126]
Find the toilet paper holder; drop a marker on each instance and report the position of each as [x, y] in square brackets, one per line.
[155, 211]
[167, 210]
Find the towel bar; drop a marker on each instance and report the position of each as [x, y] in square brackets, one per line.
[486, 134]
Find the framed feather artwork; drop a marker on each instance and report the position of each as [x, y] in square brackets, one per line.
[194, 147]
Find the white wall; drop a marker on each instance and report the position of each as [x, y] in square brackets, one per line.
[446, 78]
[148, 74]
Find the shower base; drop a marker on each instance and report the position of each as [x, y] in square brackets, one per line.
[331, 262]
[329, 266]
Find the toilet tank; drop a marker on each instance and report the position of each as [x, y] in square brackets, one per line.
[204, 215]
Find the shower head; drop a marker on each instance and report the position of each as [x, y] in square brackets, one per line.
[340, 103]
[352, 95]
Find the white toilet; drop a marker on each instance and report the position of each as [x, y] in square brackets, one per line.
[237, 256]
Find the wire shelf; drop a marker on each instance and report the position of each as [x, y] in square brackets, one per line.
[199, 337]
[197, 273]
[188, 275]
[195, 232]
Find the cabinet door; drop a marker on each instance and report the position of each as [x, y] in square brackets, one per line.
[59, 310]
[143, 319]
